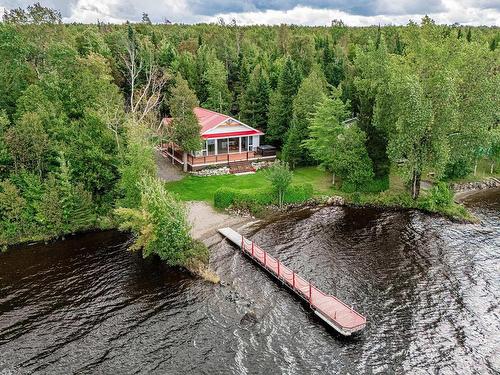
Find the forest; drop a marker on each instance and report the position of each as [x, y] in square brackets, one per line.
[81, 106]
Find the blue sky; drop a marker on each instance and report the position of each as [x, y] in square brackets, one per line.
[313, 12]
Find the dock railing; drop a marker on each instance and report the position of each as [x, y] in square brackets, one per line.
[305, 289]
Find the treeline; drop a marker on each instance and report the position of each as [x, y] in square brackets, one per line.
[425, 96]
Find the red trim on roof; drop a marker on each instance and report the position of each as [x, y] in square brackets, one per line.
[208, 120]
[232, 134]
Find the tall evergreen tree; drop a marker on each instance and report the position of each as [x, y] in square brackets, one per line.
[281, 103]
[219, 96]
[333, 64]
[186, 129]
[372, 68]
[338, 147]
[255, 100]
[310, 93]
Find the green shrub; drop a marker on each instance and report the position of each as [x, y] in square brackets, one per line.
[160, 226]
[298, 193]
[255, 199]
[438, 198]
[370, 186]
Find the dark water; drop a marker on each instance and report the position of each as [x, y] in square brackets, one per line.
[430, 290]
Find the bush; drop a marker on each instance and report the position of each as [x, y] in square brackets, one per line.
[298, 193]
[370, 186]
[255, 199]
[280, 177]
[160, 226]
[437, 199]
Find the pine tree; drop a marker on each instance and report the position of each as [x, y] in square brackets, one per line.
[379, 35]
[469, 35]
[219, 96]
[333, 65]
[281, 103]
[399, 45]
[145, 19]
[493, 44]
[186, 129]
[340, 148]
[304, 104]
[204, 56]
[255, 100]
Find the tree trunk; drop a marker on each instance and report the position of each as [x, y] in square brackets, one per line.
[475, 168]
[415, 184]
[333, 178]
[491, 168]
[185, 161]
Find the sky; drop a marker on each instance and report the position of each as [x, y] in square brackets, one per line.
[245, 12]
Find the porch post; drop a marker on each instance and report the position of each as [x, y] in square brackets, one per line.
[239, 143]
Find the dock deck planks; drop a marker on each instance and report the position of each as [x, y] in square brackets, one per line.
[330, 309]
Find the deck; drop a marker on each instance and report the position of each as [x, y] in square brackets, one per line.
[221, 159]
[341, 317]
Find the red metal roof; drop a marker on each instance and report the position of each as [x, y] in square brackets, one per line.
[209, 119]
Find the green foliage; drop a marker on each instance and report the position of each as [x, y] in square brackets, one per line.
[186, 130]
[431, 97]
[138, 163]
[438, 198]
[160, 226]
[27, 142]
[255, 100]
[339, 146]
[255, 200]
[218, 95]
[304, 104]
[281, 103]
[34, 14]
[280, 177]
[11, 209]
[5, 155]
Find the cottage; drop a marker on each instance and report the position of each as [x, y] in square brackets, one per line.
[226, 141]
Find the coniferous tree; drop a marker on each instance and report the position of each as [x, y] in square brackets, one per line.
[333, 65]
[255, 100]
[281, 103]
[218, 94]
[469, 35]
[338, 147]
[399, 45]
[186, 129]
[145, 19]
[304, 104]
[493, 44]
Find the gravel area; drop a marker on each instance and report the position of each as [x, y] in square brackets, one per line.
[205, 221]
[166, 170]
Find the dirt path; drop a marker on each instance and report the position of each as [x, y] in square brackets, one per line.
[166, 170]
[205, 221]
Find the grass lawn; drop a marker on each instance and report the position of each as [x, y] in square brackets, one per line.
[194, 188]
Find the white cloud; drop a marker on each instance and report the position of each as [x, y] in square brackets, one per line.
[469, 12]
[455, 12]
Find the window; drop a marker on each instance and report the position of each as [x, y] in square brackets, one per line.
[244, 144]
[222, 146]
[234, 144]
[211, 147]
[250, 143]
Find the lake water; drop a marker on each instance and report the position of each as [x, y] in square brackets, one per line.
[429, 288]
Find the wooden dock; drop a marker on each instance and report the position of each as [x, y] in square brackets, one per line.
[341, 317]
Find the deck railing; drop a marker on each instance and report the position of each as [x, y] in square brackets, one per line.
[305, 289]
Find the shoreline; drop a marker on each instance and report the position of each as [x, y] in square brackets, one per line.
[200, 213]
